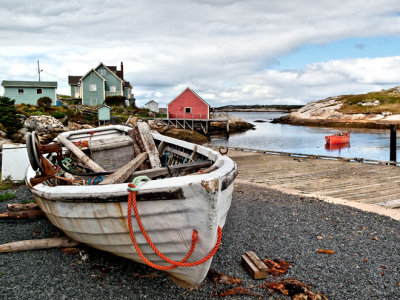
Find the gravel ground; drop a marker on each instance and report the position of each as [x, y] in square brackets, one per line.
[366, 264]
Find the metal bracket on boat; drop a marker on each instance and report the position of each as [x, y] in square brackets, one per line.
[36, 151]
[222, 151]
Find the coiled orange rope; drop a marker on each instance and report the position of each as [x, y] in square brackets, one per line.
[174, 264]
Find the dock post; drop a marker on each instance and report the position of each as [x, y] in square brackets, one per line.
[393, 145]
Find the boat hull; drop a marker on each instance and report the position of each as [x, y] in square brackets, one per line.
[337, 139]
[97, 215]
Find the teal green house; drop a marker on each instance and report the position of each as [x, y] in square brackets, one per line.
[98, 83]
[29, 92]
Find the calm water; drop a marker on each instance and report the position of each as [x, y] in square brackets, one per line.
[364, 143]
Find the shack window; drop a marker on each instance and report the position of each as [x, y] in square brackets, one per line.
[188, 110]
[113, 88]
[39, 91]
[102, 72]
[20, 91]
[92, 87]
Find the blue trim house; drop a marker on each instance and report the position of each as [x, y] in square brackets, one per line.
[29, 92]
[98, 83]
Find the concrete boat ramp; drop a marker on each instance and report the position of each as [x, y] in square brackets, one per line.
[372, 186]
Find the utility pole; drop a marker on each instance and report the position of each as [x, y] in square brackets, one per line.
[38, 69]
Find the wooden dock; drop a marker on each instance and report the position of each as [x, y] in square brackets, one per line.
[368, 186]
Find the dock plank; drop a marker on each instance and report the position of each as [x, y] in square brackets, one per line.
[347, 180]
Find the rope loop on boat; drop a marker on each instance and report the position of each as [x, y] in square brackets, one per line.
[174, 264]
[132, 187]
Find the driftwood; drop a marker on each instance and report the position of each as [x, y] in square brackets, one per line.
[63, 242]
[123, 173]
[25, 214]
[79, 153]
[151, 173]
[149, 144]
[22, 207]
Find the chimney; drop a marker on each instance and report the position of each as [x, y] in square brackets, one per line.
[122, 71]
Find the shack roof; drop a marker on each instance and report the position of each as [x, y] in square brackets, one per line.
[40, 84]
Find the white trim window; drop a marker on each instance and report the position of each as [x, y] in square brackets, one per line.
[102, 72]
[39, 91]
[20, 91]
[113, 88]
[92, 87]
[188, 110]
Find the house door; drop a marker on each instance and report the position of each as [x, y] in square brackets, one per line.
[77, 92]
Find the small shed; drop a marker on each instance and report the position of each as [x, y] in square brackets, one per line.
[104, 113]
[29, 92]
[152, 105]
[188, 105]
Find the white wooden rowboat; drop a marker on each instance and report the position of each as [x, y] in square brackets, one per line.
[170, 208]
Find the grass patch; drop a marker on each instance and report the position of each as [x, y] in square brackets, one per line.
[29, 201]
[7, 196]
[389, 101]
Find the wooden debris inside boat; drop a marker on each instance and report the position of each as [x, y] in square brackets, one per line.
[111, 160]
[135, 193]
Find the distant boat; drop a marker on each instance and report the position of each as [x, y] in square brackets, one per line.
[338, 138]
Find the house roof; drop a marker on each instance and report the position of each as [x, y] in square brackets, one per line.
[73, 80]
[113, 69]
[42, 84]
[188, 88]
[101, 64]
[151, 102]
[90, 71]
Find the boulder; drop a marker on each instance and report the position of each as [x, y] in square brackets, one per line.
[47, 128]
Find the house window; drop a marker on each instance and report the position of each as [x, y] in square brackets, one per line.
[39, 91]
[92, 87]
[188, 110]
[102, 72]
[77, 89]
[113, 88]
[20, 91]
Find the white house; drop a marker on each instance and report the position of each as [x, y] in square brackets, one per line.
[152, 105]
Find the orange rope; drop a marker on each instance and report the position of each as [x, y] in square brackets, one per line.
[174, 264]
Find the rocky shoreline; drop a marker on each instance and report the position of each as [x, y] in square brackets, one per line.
[326, 113]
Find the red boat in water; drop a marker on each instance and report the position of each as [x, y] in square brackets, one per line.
[338, 138]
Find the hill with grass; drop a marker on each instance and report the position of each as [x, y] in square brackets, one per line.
[371, 110]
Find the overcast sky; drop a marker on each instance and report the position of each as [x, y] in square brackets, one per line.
[228, 51]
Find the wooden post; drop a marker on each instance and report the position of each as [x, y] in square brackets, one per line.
[393, 145]
[79, 153]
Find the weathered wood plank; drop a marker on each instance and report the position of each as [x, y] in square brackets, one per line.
[149, 144]
[38, 244]
[151, 173]
[80, 155]
[22, 207]
[254, 265]
[123, 173]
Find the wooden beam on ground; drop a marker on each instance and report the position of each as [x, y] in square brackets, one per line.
[25, 214]
[151, 173]
[123, 173]
[149, 144]
[63, 242]
[21, 207]
[79, 153]
[254, 265]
